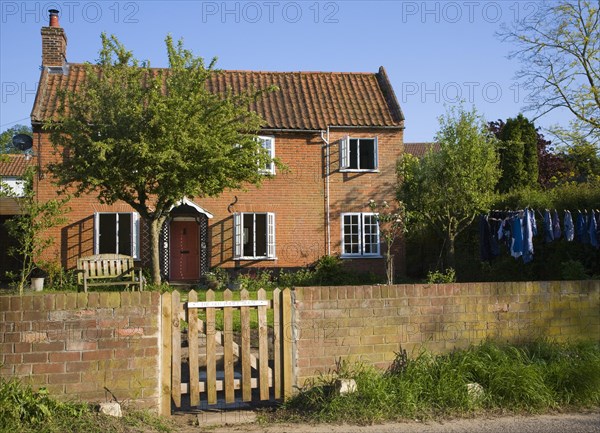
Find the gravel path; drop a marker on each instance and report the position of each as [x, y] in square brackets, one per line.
[553, 423]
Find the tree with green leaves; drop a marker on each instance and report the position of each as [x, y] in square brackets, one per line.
[391, 224]
[447, 189]
[150, 137]
[6, 144]
[518, 151]
[30, 228]
[559, 49]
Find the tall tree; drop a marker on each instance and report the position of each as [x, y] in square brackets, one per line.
[583, 162]
[559, 48]
[149, 137]
[551, 165]
[518, 150]
[449, 188]
[6, 144]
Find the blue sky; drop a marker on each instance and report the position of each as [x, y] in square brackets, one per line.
[435, 52]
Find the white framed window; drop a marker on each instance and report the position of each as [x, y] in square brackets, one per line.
[358, 154]
[12, 186]
[254, 235]
[360, 235]
[268, 143]
[117, 233]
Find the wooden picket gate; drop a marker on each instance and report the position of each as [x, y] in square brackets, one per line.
[270, 373]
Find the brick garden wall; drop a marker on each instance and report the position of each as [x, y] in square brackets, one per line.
[371, 323]
[76, 344]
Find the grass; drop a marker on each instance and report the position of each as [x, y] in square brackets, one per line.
[24, 410]
[536, 377]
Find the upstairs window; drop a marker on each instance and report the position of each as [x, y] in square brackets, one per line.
[360, 235]
[254, 236]
[117, 233]
[358, 154]
[268, 143]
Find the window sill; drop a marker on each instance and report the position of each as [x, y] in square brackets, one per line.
[254, 258]
[361, 256]
[353, 170]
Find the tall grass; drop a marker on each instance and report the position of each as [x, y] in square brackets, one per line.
[24, 410]
[534, 377]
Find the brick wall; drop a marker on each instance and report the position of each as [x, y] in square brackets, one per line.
[370, 323]
[76, 344]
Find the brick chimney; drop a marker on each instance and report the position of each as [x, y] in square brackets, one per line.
[54, 42]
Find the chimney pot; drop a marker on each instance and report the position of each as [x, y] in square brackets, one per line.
[54, 18]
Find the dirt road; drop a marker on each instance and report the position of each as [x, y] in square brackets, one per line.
[555, 423]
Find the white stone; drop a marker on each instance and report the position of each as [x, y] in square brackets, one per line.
[475, 391]
[112, 409]
[345, 386]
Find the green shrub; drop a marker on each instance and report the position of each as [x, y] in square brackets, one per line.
[439, 277]
[23, 410]
[254, 281]
[301, 277]
[21, 406]
[573, 270]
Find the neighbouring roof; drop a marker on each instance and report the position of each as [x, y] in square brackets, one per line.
[305, 100]
[15, 166]
[420, 149]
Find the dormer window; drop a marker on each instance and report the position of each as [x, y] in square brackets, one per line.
[358, 154]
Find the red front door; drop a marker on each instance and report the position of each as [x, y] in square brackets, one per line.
[184, 250]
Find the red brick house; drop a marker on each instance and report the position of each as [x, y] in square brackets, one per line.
[339, 134]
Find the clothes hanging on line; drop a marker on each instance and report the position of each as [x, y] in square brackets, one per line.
[556, 226]
[548, 226]
[517, 229]
[569, 227]
[529, 231]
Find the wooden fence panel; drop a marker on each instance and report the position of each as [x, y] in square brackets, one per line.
[211, 351]
[263, 348]
[228, 349]
[193, 355]
[245, 352]
[277, 371]
[278, 376]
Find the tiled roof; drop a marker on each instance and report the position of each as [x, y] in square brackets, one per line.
[15, 166]
[420, 149]
[305, 100]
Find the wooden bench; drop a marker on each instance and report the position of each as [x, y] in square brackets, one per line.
[109, 270]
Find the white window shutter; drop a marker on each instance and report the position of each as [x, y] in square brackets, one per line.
[96, 233]
[271, 235]
[376, 154]
[237, 235]
[135, 235]
[345, 152]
